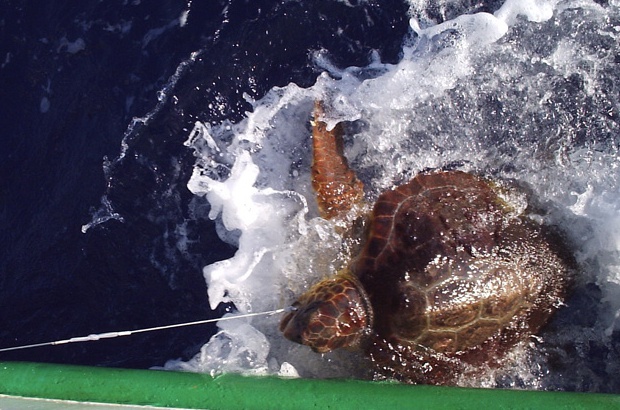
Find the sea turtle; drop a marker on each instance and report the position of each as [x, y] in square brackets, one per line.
[449, 277]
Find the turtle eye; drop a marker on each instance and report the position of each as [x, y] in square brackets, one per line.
[309, 309]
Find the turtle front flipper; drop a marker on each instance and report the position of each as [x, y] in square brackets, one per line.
[336, 185]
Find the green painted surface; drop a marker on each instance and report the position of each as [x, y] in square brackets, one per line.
[197, 391]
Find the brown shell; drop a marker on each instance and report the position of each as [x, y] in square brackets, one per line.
[451, 274]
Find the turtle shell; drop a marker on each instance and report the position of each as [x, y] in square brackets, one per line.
[454, 277]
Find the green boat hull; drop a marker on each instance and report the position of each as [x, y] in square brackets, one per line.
[198, 391]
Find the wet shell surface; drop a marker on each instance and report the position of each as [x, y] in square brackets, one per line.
[453, 276]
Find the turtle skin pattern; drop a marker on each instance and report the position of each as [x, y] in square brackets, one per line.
[454, 278]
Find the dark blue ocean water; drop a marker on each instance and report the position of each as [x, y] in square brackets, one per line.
[73, 75]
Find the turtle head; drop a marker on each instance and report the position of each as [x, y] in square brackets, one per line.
[333, 313]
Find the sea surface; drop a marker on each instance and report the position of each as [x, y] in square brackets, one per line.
[154, 165]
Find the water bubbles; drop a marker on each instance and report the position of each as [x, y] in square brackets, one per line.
[237, 347]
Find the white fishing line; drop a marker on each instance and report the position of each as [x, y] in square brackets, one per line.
[110, 335]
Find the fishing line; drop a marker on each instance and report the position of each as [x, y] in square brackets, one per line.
[110, 335]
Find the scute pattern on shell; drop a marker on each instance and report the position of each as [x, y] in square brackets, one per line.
[453, 277]
[329, 315]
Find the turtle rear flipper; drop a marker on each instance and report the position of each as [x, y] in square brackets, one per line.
[336, 185]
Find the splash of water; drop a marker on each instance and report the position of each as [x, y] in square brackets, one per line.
[528, 93]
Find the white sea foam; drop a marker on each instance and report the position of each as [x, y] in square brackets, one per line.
[533, 10]
[524, 94]
[44, 105]
[71, 47]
